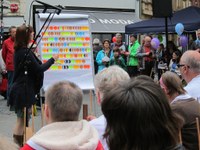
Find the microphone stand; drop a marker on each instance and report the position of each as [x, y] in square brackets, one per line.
[24, 61]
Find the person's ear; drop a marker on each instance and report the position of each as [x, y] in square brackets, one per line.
[46, 113]
[98, 97]
[166, 91]
[185, 69]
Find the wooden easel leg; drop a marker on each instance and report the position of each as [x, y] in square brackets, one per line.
[24, 125]
[91, 103]
[32, 119]
[198, 131]
[42, 115]
[85, 111]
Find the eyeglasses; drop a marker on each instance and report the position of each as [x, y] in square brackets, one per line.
[181, 65]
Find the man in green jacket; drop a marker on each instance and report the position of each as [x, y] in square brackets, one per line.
[132, 62]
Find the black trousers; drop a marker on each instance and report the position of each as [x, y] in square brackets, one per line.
[148, 67]
[133, 71]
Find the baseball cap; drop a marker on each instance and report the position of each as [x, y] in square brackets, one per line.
[96, 41]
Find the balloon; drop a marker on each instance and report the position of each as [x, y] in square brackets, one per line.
[183, 41]
[179, 28]
[155, 43]
[160, 37]
[114, 39]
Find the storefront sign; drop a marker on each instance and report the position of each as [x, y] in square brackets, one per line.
[14, 8]
[112, 21]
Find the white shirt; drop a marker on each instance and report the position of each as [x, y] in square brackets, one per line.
[181, 97]
[193, 88]
[2, 66]
[2, 63]
[100, 125]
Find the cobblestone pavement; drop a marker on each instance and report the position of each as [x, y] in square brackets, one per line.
[8, 118]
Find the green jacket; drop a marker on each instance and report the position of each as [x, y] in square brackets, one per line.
[119, 62]
[132, 59]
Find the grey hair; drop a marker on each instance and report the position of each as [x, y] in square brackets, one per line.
[64, 100]
[12, 27]
[109, 78]
[118, 34]
[193, 63]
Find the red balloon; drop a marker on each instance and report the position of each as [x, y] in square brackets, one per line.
[114, 39]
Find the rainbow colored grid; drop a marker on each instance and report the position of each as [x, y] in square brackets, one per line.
[72, 43]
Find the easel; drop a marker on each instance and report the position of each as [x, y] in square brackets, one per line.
[85, 106]
[28, 131]
[198, 131]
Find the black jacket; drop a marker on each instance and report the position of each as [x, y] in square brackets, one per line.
[23, 89]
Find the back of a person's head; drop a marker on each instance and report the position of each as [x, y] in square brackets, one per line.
[162, 45]
[64, 100]
[139, 117]
[116, 49]
[22, 37]
[6, 144]
[192, 59]
[109, 78]
[173, 83]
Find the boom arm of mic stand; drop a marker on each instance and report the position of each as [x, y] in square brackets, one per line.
[24, 59]
[58, 9]
[38, 35]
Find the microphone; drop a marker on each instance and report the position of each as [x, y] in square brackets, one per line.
[50, 6]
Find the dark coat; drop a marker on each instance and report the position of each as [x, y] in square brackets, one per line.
[189, 110]
[23, 90]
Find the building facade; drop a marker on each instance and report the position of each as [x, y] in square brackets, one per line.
[146, 6]
[18, 10]
[107, 16]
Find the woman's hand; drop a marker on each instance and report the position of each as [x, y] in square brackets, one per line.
[55, 57]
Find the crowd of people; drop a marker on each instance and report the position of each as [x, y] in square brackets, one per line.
[138, 113]
[138, 58]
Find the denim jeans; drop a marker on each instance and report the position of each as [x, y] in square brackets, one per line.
[10, 81]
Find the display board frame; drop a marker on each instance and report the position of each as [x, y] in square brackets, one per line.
[68, 35]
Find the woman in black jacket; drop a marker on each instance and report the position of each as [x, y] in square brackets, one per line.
[28, 77]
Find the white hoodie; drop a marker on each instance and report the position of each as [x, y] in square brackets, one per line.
[74, 135]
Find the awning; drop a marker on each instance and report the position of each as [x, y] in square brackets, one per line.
[107, 21]
[9, 21]
[111, 22]
[187, 16]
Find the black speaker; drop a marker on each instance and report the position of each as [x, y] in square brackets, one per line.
[162, 8]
